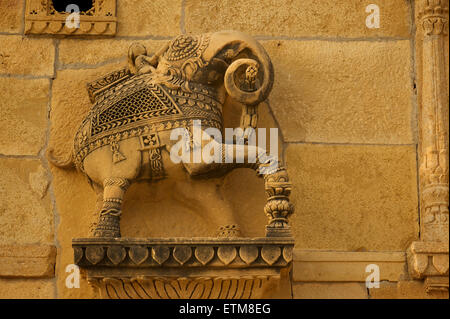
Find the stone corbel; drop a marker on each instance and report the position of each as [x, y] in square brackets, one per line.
[428, 258]
[42, 18]
[186, 268]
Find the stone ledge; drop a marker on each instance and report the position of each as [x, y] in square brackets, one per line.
[342, 266]
[183, 252]
[27, 261]
[185, 268]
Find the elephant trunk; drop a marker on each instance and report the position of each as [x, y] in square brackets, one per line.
[241, 50]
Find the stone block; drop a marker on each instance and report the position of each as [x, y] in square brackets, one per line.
[298, 18]
[81, 52]
[27, 288]
[11, 17]
[27, 260]
[329, 291]
[25, 217]
[343, 92]
[148, 18]
[413, 289]
[342, 266]
[26, 56]
[354, 198]
[23, 115]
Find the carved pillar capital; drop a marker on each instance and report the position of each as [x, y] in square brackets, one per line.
[433, 16]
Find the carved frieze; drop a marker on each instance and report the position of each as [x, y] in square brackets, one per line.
[172, 268]
[41, 17]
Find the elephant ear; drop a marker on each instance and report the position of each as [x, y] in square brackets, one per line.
[139, 61]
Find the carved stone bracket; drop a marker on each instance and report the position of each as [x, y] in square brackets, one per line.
[42, 18]
[429, 260]
[183, 267]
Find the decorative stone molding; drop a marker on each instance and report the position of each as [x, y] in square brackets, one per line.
[19, 261]
[429, 261]
[42, 18]
[238, 287]
[426, 258]
[183, 267]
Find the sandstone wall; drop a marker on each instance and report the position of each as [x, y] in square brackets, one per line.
[344, 99]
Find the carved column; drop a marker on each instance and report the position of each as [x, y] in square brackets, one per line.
[428, 258]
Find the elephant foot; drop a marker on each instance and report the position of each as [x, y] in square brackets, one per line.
[229, 231]
[108, 226]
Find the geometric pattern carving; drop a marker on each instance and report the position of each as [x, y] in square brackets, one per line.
[146, 103]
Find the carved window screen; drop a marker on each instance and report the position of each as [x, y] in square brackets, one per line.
[41, 17]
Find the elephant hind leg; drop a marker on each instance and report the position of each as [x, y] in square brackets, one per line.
[109, 221]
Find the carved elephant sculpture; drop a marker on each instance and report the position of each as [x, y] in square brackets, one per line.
[127, 134]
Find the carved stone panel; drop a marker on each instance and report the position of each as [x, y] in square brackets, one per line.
[41, 17]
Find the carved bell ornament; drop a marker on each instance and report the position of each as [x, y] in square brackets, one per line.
[127, 136]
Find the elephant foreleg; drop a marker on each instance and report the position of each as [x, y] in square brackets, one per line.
[109, 222]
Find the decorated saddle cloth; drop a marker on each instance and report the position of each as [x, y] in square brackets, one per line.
[126, 106]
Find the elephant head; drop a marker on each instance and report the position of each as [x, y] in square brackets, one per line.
[229, 61]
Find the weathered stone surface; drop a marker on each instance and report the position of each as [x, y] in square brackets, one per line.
[23, 115]
[343, 92]
[329, 291]
[82, 52]
[346, 196]
[298, 18]
[26, 56]
[11, 17]
[27, 260]
[145, 18]
[413, 289]
[27, 288]
[24, 217]
[346, 266]
[39, 181]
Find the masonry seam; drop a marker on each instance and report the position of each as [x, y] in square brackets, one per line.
[415, 103]
[81, 66]
[49, 174]
[22, 26]
[349, 144]
[182, 17]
